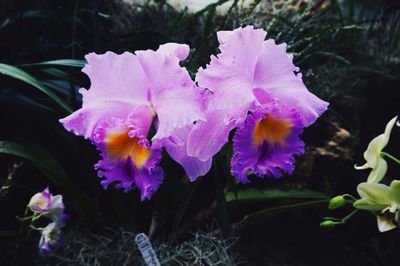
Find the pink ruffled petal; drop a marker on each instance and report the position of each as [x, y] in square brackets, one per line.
[178, 50]
[275, 74]
[229, 75]
[271, 157]
[118, 87]
[115, 78]
[128, 160]
[176, 147]
[175, 98]
[208, 137]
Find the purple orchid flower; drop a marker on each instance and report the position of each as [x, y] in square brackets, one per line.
[129, 93]
[248, 80]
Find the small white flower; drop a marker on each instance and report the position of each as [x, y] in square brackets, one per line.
[51, 234]
[47, 204]
[374, 157]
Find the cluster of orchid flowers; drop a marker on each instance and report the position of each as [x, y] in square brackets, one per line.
[139, 103]
[44, 204]
[382, 200]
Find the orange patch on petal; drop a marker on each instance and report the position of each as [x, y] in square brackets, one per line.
[271, 129]
[120, 145]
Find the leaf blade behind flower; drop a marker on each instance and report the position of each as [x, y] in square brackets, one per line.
[25, 77]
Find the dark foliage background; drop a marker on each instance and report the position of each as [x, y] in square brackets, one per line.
[348, 52]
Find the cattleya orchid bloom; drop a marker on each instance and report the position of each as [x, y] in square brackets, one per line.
[383, 199]
[51, 234]
[128, 94]
[47, 204]
[256, 87]
[373, 156]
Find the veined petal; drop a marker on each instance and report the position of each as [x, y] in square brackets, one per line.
[173, 94]
[266, 143]
[176, 147]
[374, 196]
[178, 50]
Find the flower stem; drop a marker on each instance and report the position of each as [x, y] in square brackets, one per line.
[351, 197]
[187, 196]
[221, 208]
[390, 157]
[348, 217]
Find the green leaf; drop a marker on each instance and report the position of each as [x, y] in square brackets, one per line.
[50, 168]
[40, 157]
[60, 62]
[17, 73]
[261, 195]
[260, 216]
[56, 73]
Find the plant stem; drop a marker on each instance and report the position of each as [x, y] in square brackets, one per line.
[348, 217]
[350, 197]
[221, 209]
[20, 241]
[390, 157]
[179, 216]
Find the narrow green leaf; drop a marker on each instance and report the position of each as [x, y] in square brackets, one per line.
[40, 157]
[60, 62]
[56, 73]
[262, 215]
[260, 195]
[50, 168]
[17, 73]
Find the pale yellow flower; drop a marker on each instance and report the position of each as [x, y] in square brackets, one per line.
[383, 200]
[373, 156]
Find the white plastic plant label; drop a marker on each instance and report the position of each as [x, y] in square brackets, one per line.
[147, 251]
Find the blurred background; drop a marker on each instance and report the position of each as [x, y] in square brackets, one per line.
[349, 54]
